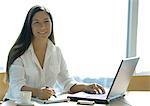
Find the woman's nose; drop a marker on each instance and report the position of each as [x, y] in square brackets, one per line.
[42, 26]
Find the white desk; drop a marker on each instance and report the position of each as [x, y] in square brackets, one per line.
[137, 98]
[133, 98]
[117, 103]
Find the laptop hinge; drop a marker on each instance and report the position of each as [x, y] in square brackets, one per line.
[115, 97]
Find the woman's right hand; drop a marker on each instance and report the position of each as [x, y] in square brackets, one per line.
[45, 93]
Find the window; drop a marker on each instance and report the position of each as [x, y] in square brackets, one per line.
[92, 37]
[143, 38]
[90, 33]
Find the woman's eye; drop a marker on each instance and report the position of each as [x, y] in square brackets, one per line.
[46, 21]
[35, 22]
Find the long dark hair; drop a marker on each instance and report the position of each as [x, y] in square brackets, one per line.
[24, 40]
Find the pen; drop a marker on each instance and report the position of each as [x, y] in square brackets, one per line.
[53, 95]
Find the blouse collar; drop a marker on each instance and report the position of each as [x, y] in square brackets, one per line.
[50, 48]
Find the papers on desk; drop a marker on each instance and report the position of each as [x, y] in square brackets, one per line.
[51, 100]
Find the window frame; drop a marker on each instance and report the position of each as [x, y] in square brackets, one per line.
[132, 28]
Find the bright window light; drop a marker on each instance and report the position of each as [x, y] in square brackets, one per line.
[90, 33]
[143, 37]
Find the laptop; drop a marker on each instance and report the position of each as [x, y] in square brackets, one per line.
[118, 87]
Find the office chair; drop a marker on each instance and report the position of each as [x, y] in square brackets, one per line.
[3, 85]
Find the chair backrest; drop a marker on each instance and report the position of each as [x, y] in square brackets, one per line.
[3, 85]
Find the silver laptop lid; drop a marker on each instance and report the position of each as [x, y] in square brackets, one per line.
[122, 78]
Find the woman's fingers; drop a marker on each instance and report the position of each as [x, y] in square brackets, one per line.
[50, 92]
[102, 89]
[99, 88]
[46, 93]
[94, 88]
[91, 89]
[42, 94]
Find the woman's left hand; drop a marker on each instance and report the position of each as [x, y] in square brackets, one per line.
[94, 88]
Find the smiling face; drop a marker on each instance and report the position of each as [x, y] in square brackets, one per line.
[41, 25]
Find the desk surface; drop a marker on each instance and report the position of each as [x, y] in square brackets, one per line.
[133, 98]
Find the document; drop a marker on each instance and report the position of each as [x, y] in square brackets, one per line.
[59, 99]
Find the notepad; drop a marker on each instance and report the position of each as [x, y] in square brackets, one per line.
[51, 100]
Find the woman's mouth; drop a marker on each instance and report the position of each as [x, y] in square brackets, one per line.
[42, 33]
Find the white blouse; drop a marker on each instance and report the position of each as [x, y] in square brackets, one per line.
[26, 70]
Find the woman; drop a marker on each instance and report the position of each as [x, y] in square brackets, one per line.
[35, 62]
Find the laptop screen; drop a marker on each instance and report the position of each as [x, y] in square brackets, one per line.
[123, 76]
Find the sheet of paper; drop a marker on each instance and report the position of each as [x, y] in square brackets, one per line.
[61, 98]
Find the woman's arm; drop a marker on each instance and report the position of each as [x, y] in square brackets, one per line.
[92, 88]
[45, 93]
[77, 88]
[34, 91]
[70, 85]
